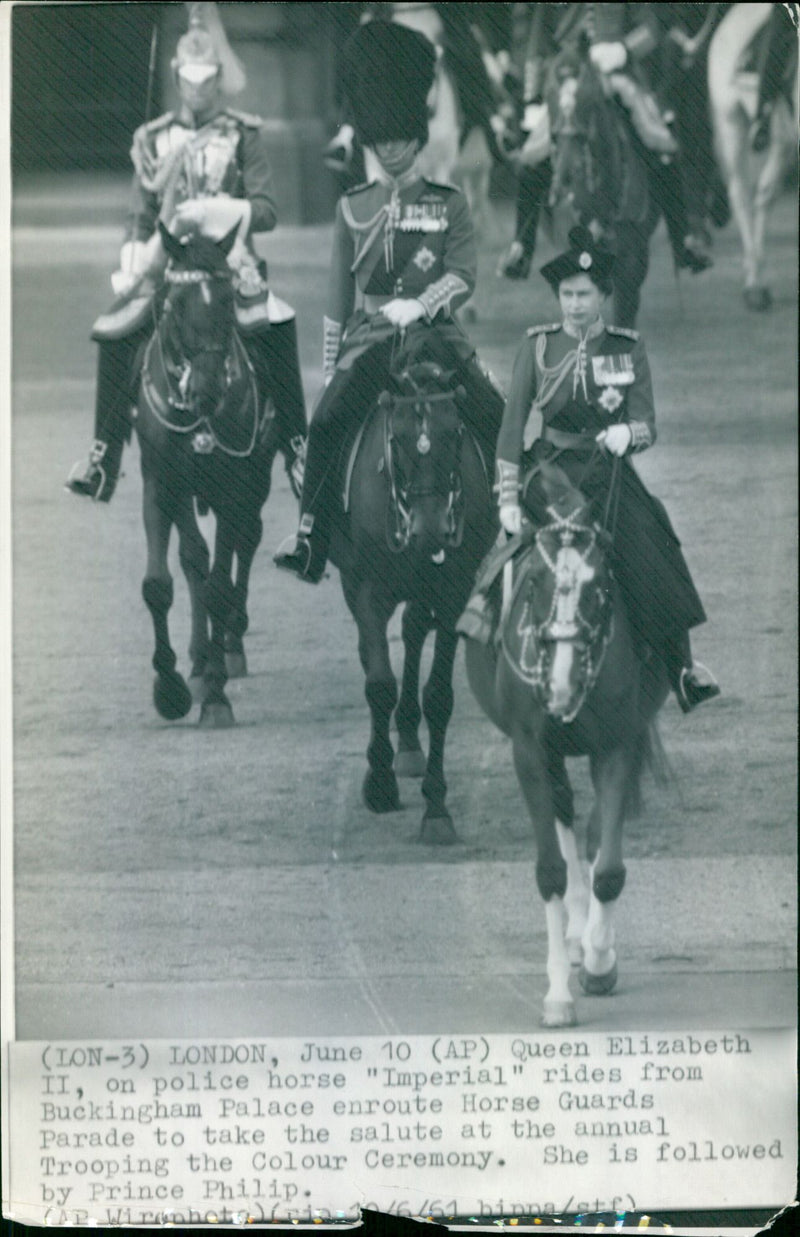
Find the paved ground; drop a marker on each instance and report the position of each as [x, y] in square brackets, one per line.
[170, 881]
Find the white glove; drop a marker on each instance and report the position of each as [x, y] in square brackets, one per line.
[135, 258]
[511, 518]
[608, 57]
[616, 439]
[213, 217]
[402, 311]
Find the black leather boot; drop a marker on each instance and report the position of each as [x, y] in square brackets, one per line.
[116, 366]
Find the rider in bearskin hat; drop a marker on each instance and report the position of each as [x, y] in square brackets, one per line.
[203, 167]
[403, 252]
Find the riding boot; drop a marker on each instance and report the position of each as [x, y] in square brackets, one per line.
[308, 556]
[689, 250]
[275, 359]
[779, 44]
[117, 369]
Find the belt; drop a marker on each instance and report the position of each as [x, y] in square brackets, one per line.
[567, 441]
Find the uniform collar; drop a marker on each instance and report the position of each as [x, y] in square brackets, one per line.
[596, 328]
[409, 177]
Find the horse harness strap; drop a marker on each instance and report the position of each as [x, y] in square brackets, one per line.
[161, 405]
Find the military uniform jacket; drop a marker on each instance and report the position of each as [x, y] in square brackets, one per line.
[578, 387]
[410, 239]
[176, 161]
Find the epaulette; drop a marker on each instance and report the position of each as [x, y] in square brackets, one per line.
[625, 331]
[246, 118]
[544, 330]
[160, 122]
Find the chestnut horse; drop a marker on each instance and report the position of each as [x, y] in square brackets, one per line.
[565, 679]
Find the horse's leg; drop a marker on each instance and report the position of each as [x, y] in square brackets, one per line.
[216, 712]
[766, 190]
[531, 764]
[410, 760]
[732, 147]
[610, 774]
[437, 707]
[171, 696]
[194, 559]
[630, 272]
[237, 621]
[372, 614]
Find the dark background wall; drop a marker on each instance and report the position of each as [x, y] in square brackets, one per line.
[80, 84]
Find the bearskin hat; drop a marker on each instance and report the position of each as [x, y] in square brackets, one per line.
[388, 72]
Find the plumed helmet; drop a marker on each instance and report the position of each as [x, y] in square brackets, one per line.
[206, 43]
[388, 72]
[585, 256]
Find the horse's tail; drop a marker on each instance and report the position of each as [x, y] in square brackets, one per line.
[648, 755]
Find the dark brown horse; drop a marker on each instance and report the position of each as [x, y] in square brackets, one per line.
[601, 175]
[565, 679]
[202, 434]
[419, 519]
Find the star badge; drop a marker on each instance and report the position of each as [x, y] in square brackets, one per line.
[424, 258]
[610, 399]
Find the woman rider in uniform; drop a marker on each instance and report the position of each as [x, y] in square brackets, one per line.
[203, 167]
[403, 252]
[590, 385]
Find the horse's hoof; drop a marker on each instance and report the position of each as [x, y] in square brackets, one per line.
[598, 985]
[410, 763]
[216, 715]
[171, 697]
[559, 1014]
[236, 665]
[438, 831]
[381, 794]
[758, 298]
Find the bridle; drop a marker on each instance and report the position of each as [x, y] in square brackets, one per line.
[177, 378]
[405, 487]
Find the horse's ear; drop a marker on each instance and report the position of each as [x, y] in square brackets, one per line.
[228, 240]
[172, 245]
[460, 394]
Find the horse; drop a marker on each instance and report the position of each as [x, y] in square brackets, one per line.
[599, 175]
[753, 182]
[564, 678]
[417, 519]
[202, 435]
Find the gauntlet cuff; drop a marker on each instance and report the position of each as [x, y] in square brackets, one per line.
[507, 483]
[331, 340]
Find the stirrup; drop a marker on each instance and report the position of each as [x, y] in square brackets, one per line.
[298, 559]
[94, 483]
[690, 692]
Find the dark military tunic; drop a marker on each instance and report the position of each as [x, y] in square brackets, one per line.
[410, 239]
[564, 391]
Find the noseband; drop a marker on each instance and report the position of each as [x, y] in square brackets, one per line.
[406, 487]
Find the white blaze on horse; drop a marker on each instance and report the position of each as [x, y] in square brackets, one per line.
[753, 182]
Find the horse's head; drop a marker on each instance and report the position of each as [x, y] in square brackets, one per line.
[559, 623]
[423, 435]
[198, 319]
